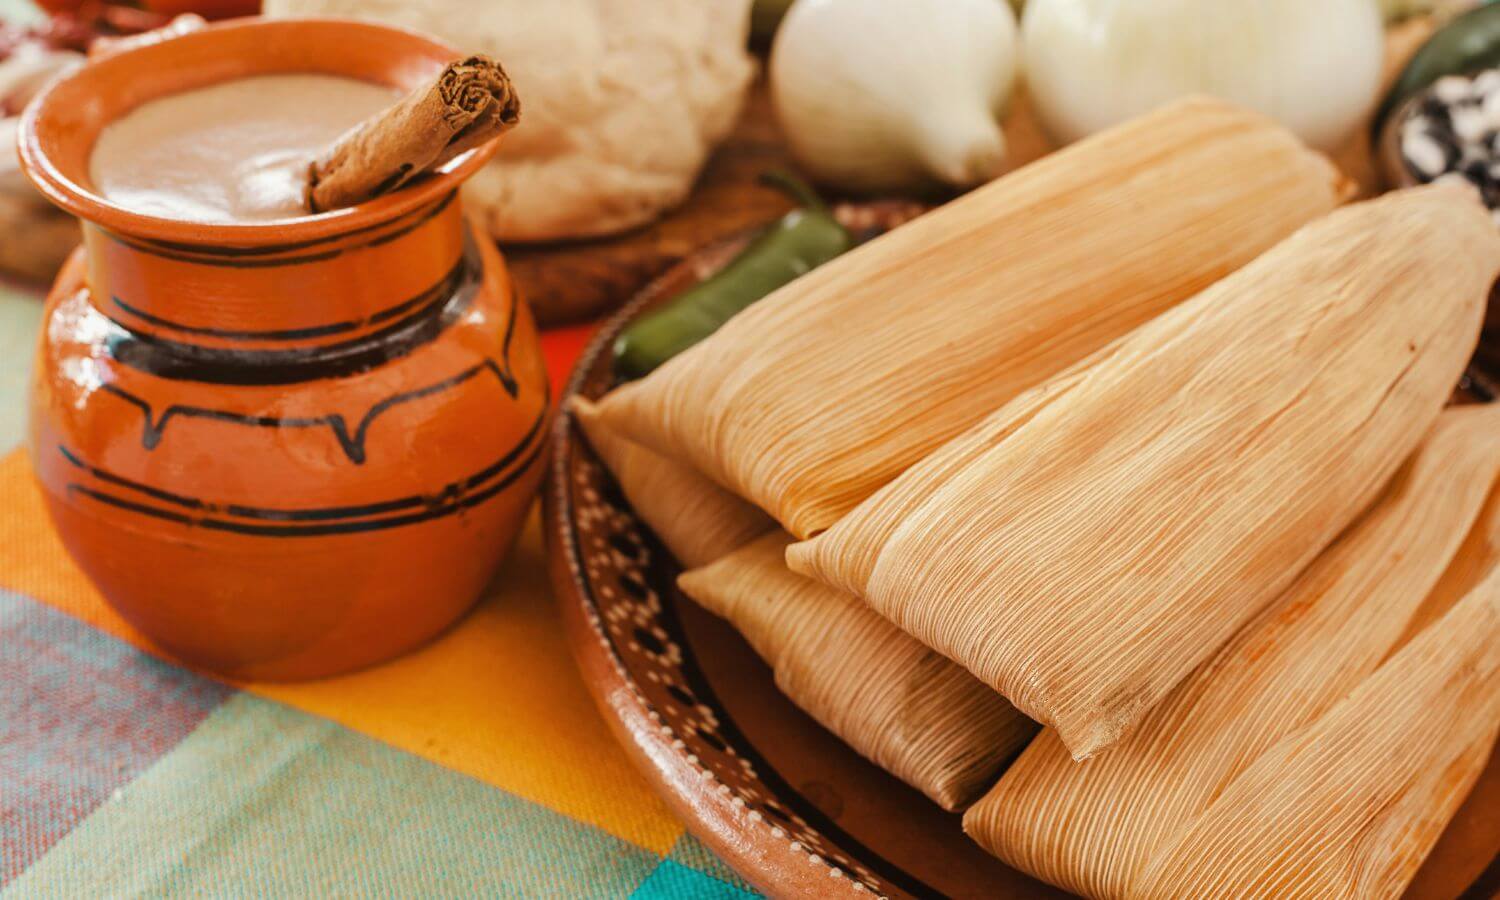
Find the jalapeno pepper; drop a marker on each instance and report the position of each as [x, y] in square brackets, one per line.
[797, 243]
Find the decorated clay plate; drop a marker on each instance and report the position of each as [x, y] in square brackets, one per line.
[793, 810]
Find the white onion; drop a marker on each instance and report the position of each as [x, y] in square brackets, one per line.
[894, 95]
[1313, 64]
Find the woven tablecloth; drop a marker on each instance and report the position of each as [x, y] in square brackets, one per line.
[475, 766]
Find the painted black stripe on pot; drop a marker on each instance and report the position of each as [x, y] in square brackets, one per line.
[353, 442]
[447, 493]
[424, 299]
[453, 507]
[180, 361]
[253, 257]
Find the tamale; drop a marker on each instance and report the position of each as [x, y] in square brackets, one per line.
[1118, 533]
[697, 520]
[1479, 554]
[813, 398]
[845, 555]
[896, 702]
[1349, 805]
[1095, 828]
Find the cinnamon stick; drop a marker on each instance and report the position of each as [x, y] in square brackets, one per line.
[467, 104]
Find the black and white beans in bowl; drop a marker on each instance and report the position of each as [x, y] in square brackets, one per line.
[1452, 130]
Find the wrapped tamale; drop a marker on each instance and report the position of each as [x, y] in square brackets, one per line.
[1350, 804]
[1479, 554]
[1096, 828]
[697, 520]
[899, 704]
[813, 398]
[1111, 535]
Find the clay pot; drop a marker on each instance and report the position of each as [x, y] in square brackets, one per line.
[281, 449]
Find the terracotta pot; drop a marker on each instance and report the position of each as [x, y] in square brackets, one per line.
[280, 449]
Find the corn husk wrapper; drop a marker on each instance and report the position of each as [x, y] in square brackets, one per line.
[1349, 805]
[1105, 540]
[813, 398]
[1097, 828]
[899, 704]
[1479, 555]
[697, 520]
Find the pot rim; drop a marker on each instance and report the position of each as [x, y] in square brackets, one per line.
[74, 195]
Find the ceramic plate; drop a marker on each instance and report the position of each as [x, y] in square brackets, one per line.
[785, 803]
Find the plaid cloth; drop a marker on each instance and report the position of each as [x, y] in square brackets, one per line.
[477, 765]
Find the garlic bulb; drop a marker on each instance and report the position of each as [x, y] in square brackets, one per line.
[1315, 66]
[894, 95]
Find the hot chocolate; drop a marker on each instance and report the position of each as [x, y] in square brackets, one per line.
[233, 152]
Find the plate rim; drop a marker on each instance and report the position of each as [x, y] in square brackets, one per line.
[775, 866]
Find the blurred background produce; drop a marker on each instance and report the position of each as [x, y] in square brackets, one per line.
[624, 101]
[895, 95]
[1314, 66]
[647, 128]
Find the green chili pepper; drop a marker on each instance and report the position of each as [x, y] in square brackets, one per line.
[1467, 44]
[797, 243]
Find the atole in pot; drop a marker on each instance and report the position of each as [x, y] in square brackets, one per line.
[285, 449]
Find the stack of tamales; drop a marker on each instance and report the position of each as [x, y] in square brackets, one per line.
[900, 704]
[813, 398]
[1106, 446]
[1284, 742]
[1086, 547]
[1200, 174]
[909, 710]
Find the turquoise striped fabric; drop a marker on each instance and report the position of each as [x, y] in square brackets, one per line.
[262, 800]
[673, 881]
